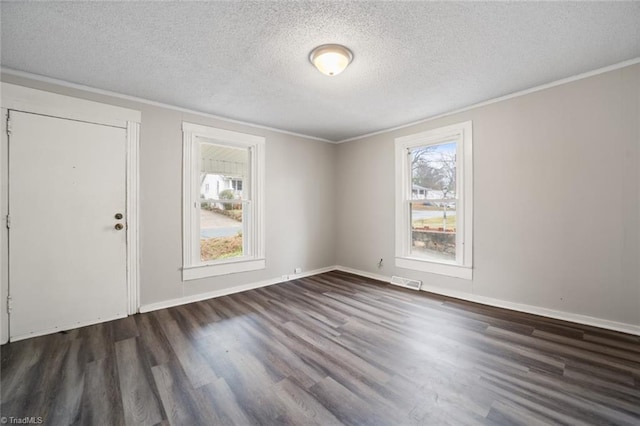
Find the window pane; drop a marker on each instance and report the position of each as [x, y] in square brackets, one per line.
[433, 171]
[222, 173]
[433, 230]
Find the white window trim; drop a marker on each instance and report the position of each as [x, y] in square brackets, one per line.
[254, 258]
[463, 266]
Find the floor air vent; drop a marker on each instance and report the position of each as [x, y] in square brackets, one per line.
[406, 282]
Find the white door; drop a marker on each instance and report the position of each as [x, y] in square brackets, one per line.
[67, 260]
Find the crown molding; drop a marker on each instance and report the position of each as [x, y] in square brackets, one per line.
[63, 83]
[545, 86]
[44, 79]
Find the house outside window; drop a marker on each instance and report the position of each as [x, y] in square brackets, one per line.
[223, 202]
[434, 201]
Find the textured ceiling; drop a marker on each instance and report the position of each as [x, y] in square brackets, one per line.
[249, 61]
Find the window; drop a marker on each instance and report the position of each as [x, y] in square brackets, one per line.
[236, 184]
[223, 223]
[434, 200]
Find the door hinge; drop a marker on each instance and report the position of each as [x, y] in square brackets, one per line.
[8, 124]
[9, 304]
[8, 222]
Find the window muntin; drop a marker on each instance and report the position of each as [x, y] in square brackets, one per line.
[434, 201]
[223, 212]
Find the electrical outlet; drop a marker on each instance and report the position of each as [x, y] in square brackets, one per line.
[285, 278]
[298, 270]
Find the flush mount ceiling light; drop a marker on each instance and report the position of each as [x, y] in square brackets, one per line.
[331, 59]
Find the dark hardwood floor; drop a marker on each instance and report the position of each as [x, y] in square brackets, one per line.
[330, 349]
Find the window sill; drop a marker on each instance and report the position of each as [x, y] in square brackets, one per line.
[449, 269]
[204, 271]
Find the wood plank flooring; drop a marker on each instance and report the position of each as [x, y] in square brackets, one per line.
[330, 349]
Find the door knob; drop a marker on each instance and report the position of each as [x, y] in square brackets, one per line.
[119, 226]
[118, 216]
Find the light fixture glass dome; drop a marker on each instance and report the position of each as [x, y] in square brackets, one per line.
[331, 59]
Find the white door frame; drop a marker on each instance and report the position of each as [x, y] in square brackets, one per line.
[19, 98]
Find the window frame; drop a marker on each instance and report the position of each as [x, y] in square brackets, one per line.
[462, 267]
[253, 241]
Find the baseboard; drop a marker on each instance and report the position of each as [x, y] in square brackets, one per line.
[227, 291]
[520, 307]
[311, 273]
[362, 273]
[66, 327]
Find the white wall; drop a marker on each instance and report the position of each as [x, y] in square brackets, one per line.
[300, 182]
[556, 196]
